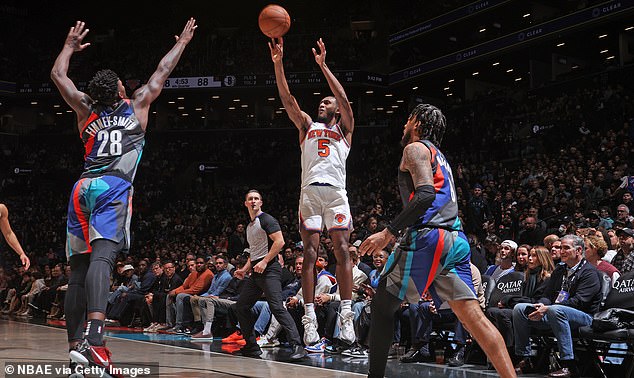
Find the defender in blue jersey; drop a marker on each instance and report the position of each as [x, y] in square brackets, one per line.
[432, 252]
[112, 129]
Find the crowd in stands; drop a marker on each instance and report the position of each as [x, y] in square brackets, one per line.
[530, 202]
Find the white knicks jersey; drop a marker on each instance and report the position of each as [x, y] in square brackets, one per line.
[324, 153]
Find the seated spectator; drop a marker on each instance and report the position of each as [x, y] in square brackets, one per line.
[624, 258]
[571, 297]
[197, 282]
[204, 304]
[623, 218]
[505, 258]
[521, 257]
[167, 281]
[539, 268]
[605, 219]
[595, 250]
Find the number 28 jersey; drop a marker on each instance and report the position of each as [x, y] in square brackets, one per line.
[113, 142]
[324, 153]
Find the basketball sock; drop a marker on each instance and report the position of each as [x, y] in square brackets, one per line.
[346, 306]
[309, 309]
[94, 332]
[207, 329]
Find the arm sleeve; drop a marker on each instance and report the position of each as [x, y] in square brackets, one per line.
[423, 197]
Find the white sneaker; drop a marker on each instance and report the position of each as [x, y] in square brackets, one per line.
[150, 328]
[264, 342]
[310, 330]
[346, 326]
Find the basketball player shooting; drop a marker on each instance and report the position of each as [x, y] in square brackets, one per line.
[325, 144]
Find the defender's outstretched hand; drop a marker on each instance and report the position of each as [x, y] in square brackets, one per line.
[188, 31]
[321, 57]
[76, 36]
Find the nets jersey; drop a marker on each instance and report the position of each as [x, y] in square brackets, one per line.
[324, 153]
[443, 213]
[113, 142]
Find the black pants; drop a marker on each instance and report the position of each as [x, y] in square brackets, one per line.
[384, 308]
[269, 282]
[502, 318]
[159, 302]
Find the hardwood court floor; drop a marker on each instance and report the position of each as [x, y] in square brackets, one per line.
[30, 342]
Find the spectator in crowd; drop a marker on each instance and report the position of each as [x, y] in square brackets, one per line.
[571, 297]
[158, 297]
[596, 248]
[196, 283]
[530, 233]
[478, 212]
[623, 217]
[505, 261]
[237, 241]
[204, 304]
[623, 261]
[521, 257]
[539, 268]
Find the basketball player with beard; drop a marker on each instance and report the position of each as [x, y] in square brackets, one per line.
[325, 144]
[432, 253]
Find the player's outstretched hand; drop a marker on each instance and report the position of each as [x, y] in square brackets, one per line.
[320, 58]
[76, 36]
[277, 49]
[188, 31]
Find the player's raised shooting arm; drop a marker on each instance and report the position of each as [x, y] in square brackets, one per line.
[297, 116]
[347, 117]
[145, 95]
[76, 99]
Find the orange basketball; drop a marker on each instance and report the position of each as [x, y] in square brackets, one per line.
[274, 21]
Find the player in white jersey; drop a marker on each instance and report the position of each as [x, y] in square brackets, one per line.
[325, 144]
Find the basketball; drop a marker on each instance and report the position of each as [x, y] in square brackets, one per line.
[274, 21]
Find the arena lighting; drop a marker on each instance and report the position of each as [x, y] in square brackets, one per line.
[271, 98]
[603, 36]
[446, 88]
[610, 57]
[629, 28]
[181, 107]
[483, 30]
[379, 108]
[450, 81]
[496, 64]
[278, 112]
[603, 51]
[316, 93]
[389, 111]
[154, 112]
[575, 67]
[453, 39]
[58, 113]
[369, 92]
[69, 111]
[180, 98]
[509, 70]
[236, 100]
[561, 44]
[475, 73]
[171, 102]
[185, 114]
[414, 88]
[449, 94]
[388, 95]
[526, 15]
[199, 109]
[202, 117]
[394, 106]
[56, 106]
[244, 106]
[518, 79]
[232, 108]
[400, 101]
[216, 96]
[33, 102]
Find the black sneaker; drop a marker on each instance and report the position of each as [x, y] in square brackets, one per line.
[251, 350]
[458, 358]
[298, 353]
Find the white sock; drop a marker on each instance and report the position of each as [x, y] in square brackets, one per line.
[309, 309]
[345, 306]
[207, 329]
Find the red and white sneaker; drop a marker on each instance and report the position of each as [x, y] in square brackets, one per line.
[92, 355]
